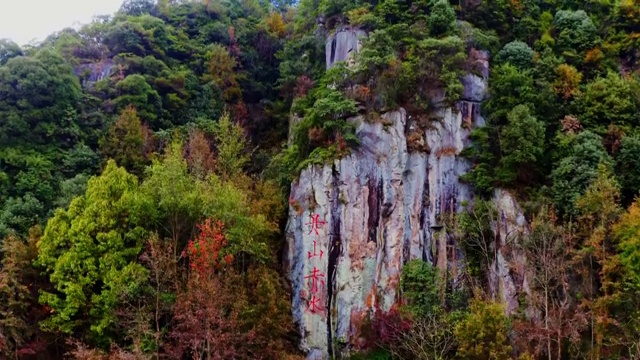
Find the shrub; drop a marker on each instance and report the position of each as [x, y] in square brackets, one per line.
[442, 19]
[575, 30]
[517, 54]
[483, 333]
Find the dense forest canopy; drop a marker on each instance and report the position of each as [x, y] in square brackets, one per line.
[145, 163]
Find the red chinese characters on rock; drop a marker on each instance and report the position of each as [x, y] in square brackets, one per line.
[314, 305]
[315, 253]
[316, 224]
[316, 278]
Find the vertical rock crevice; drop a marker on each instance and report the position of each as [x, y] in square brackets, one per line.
[335, 253]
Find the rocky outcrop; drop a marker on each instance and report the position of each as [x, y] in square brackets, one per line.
[92, 72]
[343, 45]
[353, 224]
[506, 275]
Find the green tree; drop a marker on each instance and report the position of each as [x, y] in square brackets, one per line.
[510, 87]
[442, 19]
[125, 142]
[574, 31]
[248, 233]
[80, 159]
[576, 168]
[628, 168]
[134, 91]
[175, 195]
[8, 50]
[231, 148]
[611, 99]
[522, 145]
[420, 287]
[70, 189]
[20, 213]
[516, 53]
[478, 237]
[440, 61]
[137, 7]
[89, 253]
[484, 152]
[39, 95]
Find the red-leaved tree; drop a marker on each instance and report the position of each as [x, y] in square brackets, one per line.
[207, 309]
[205, 251]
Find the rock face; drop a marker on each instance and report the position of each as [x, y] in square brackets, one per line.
[342, 45]
[97, 71]
[354, 224]
[506, 277]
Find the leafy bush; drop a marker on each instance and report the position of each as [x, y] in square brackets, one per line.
[516, 53]
[574, 30]
[421, 287]
[477, 237]
[610, 99]
[442, 19]
[483, 334]
[522, 146]
[576, 168]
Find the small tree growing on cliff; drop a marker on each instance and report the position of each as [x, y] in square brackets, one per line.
[521, 145]
[433, 314]
[477, 236]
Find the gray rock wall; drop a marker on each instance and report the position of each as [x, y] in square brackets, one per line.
[353, 224]
[343, 45]
[92, 72]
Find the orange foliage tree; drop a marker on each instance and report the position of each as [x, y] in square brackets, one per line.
[568, 82]
[207, 310]
[205, 251]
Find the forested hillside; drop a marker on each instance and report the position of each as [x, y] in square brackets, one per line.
[146, 161]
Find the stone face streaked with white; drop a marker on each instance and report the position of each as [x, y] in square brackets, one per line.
[343, 45]
[93, 72]
[382, 206]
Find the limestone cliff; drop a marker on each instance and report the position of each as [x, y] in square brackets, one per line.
[90, 73]
[354, 224]
[343, 45]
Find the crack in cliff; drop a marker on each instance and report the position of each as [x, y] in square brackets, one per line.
[335, 249]
[374, 201]
[424, 219]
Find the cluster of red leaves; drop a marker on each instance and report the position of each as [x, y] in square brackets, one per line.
[571, 124]
[316, 135]
[385, 329]
[362, 93]
[341, 144]
[205, 251]
[303, 85]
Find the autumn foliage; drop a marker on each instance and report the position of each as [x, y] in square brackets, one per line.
[205, 252]
[206, 313]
